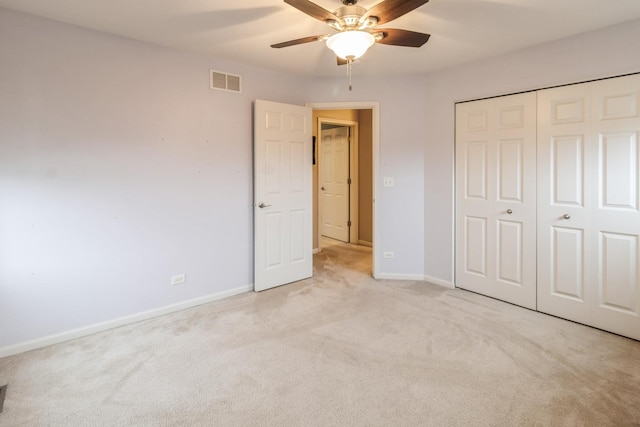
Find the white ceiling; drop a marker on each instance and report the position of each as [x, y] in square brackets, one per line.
[461, 30]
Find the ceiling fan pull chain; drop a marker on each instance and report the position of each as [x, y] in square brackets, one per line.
[349, 62]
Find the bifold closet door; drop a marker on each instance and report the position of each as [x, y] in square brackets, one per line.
[496, 198]
[588, 204]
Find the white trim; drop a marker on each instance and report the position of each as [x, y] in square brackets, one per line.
[365, 243]
[374, 106]
[418, 277]
[121, 321]
[439, 282]
[386, 276]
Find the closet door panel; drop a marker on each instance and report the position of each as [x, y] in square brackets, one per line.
[615, 217]
[588, 204]
[495, 198]
[563, 240]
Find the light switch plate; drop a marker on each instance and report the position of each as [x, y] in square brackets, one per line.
[387, 181]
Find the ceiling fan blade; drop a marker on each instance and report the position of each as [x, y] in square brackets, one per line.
[388, 10]
[312, 10]
[341, 61]
[300, 41]
[397, 37]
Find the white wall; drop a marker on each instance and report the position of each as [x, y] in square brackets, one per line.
[603, 53]
[119, 168]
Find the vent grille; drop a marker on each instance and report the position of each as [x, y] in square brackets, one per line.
[225, 81]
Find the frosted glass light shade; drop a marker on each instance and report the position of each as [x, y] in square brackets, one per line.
[350, 44]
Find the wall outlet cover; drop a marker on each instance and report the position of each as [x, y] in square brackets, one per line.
[179, 279]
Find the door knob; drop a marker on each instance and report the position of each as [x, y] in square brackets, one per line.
[262, 205]
[322, 188]
[566, 216]
[509, 211]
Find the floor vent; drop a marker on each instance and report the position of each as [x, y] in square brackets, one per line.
[224, 81]
[3, 393]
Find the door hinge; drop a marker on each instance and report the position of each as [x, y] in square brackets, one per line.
[349, 181]
[349, 223]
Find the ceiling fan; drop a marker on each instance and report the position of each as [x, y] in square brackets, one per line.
[356, 27]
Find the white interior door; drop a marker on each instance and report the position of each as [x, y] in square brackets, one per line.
[334, 183]
[496, 198]
[589, 213]
[282, 194]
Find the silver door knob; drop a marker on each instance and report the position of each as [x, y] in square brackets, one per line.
[262, 205]
[566, 216]
[509, 211]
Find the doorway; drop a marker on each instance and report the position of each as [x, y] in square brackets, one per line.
[362, 121]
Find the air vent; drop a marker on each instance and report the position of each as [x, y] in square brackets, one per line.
[224, 81]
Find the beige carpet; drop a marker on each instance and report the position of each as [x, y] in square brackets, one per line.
[337, 350]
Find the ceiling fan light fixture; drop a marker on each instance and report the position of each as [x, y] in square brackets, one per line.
[350, 44]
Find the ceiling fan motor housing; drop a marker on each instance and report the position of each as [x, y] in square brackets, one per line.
[349, 2]
[351, 15]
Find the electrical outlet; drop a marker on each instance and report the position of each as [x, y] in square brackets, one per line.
[179, 279]
[387, 254]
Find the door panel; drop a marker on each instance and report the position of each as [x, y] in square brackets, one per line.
[619, 170]
[567, 263]
[496, 198]
[618, 271]
[475, 170]
[510, 248]
[567, 170]
[615, 220]
[564, 244]
[588, 184]
[475, 246]
[283, 194]
[334, 183]
[510, 170]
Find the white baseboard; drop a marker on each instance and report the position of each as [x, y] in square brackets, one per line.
[387, 276]
[365, 243]
[439, 282]
[422, 278]
[121, 321]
